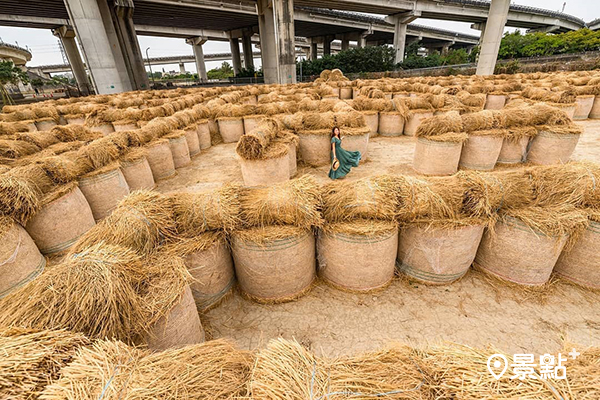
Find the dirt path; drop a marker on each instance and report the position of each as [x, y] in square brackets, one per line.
[474, 311]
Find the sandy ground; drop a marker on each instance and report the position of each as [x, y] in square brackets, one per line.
[475, 311]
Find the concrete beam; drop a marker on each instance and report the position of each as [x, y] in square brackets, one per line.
[183, 33]
[494, 30]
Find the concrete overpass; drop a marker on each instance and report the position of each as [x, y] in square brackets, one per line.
[594, 25]
[107, 29]
[18, 55]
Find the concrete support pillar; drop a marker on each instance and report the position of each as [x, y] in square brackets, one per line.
[67, 37]
[345, 43]
[399, 40]
[362, 41]
[101, 49]
[445, 49]
[234, 44]
[327, 44]
[122, 16]
[196, 44]
[494, 29]
[181, 68]
[314, 50]
[277, 39]
[247, 48]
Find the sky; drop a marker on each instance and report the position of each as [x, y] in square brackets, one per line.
[45, 49]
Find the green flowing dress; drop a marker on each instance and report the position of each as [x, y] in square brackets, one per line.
[347, 159]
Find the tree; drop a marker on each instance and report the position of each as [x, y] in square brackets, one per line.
[223, 72]
[365, 59]
[9, 73]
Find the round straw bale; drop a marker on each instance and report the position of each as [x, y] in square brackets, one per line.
[315, 147]
[196, 213]
[595, 111]
[208, 260]
[526, 243]
[391, 123]
[580, 263]
[438, 254]
[63, 217]
[103, 189]
[477, 121]
[137, 171]
[372, 122]
[583, 106]
[274, 167]
[414, 120]
[203, 131]
[514, 145]
[178, 328]
[252, 122]
[495, 101]
[45, 124]
[191, 137]
[160, 159]
[438, 155]
[40, 139]
[481, 150]
[231, 128]
[274, 264]
[371, 244]
[124, 125]
[20, 259]
[553, 145]
[13, 149]
[179, 149]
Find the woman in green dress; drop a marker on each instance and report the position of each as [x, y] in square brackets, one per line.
[345, 159]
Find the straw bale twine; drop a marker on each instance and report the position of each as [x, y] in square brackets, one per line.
[64, 216]
[137, 171]
[32, 359]
[438, 254]
[580, 263]
[211, 370]
[208, 260]
[160, 159]
[371, 244]
[495, 101]
[231, 128]
[526, 243]
[203, 131]
[274, 264]
[481, 150]
[553, 144]
[583, 106]
[20, 259]
[103, 189]
[438, 155]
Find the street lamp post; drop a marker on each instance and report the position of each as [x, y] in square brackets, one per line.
[150, 66]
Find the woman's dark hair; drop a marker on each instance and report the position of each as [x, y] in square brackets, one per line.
[333, 131]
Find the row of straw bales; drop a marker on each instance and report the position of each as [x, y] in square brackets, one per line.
[62, 365]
